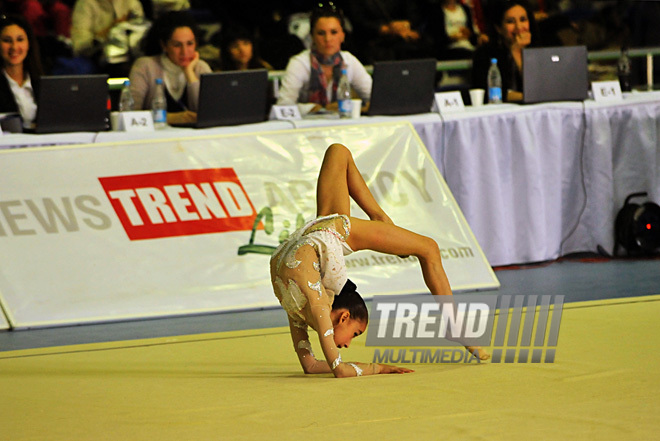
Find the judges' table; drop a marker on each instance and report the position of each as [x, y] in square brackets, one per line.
[13, 141]
[534, 182]
[516, 174]
[19, 140]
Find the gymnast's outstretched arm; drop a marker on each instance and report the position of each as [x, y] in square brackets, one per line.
[303, 348]
[339, 369]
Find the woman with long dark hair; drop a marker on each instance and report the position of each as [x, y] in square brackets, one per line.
[20, 69]
[238, 50]
[171, 49]
[512, 28]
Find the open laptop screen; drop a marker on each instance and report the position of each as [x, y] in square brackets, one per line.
[234, 97]
[402, 87]
[72, 103]
[555, 74]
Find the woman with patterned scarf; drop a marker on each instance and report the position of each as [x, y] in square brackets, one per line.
[313, 75]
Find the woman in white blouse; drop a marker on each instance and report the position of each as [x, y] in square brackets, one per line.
[171, 46]
[313, 75]
[20, 69]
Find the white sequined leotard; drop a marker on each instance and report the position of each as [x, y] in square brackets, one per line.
[312, 257]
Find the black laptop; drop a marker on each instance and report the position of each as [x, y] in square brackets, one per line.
[72, 103]
[555, 74]
[231, 98]
[402, 87]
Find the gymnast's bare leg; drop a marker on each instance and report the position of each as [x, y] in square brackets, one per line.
[339, 180]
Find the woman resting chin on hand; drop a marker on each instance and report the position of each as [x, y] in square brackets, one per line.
[513, 29]
[172, 47]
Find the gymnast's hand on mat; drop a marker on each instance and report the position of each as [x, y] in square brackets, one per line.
[389, 369]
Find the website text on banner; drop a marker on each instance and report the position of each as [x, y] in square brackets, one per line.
[186, 226]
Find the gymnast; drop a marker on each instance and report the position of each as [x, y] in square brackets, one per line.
[309, 277]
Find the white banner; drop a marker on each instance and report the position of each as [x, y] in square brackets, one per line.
[132, 230]
[3, 321]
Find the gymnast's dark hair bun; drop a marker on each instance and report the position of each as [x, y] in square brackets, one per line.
[349, 299]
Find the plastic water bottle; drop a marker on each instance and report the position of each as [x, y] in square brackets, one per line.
[126, 102]
[494, 83]
[623, 69]
[344, 96]
[159, 105]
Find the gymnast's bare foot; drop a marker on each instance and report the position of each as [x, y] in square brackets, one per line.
[478, 352]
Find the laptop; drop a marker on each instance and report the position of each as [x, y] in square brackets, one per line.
[402, 87]
[555, 74]
[230, 98]
[72, 103]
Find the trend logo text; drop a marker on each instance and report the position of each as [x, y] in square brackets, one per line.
[180, 203]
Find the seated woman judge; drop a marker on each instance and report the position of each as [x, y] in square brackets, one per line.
[238, 51]
[512, 28]
[21, 69]
[171, 48]
[313, 75]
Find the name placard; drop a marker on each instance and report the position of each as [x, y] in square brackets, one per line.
[448, 102]
[606, 91]
[291, 112]
[136, 121]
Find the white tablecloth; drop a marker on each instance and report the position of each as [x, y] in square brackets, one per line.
[623, 157]
[174, 132]
[12, 141]
[20, 140]
[537, 182]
